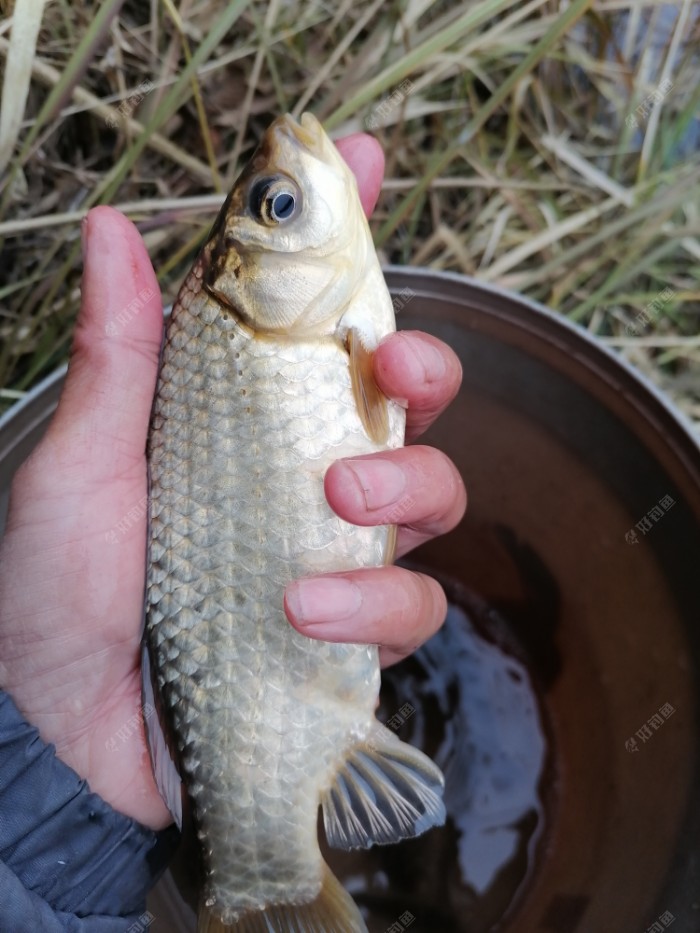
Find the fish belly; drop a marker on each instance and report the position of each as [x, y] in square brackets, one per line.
[243, 431]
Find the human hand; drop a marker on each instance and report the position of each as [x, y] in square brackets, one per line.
[72, 563]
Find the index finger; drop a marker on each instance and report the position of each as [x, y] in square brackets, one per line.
[365, 157]
[421, 372]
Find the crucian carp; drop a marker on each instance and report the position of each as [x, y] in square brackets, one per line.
[265, 380]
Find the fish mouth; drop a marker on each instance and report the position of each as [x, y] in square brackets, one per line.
[305, 132]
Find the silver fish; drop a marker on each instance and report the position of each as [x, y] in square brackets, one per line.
[265, 380]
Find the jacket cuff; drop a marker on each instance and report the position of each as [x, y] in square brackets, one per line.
[64, 843]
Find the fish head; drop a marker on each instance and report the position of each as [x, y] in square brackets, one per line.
[291, 244]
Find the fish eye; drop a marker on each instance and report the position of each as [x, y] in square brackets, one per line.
[274, 200]
[282, 205]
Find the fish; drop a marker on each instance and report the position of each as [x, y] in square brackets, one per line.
[265, 380]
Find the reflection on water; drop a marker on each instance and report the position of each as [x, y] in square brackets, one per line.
[470, 704]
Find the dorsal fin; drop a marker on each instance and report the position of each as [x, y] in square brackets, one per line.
[372, 404]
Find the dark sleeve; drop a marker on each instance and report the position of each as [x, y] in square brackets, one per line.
[68, 861]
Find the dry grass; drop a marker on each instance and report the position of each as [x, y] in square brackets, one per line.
[511, 151]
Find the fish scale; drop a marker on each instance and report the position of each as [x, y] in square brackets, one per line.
[246, 421]
[207, 431]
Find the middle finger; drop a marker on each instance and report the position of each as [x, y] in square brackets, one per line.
[417, 488]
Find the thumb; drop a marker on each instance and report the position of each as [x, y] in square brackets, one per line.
[102, 418]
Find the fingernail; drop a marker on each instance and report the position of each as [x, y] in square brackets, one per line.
[426, 363]
[323, 599]
[382, 481]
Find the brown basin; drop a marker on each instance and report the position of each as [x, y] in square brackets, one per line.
[580, 556]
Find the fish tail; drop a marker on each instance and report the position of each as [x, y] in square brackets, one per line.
[384, 791]
[333, 911]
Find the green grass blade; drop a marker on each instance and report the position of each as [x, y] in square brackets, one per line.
[414, 59]
[442, 160]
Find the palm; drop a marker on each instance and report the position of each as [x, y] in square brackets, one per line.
[76, 676]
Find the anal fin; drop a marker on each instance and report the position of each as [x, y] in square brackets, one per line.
[333, 911]
[385, 791]
[372, 404]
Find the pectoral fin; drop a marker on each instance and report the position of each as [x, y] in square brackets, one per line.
[385, 791]
[372, 404]
[391, 541]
